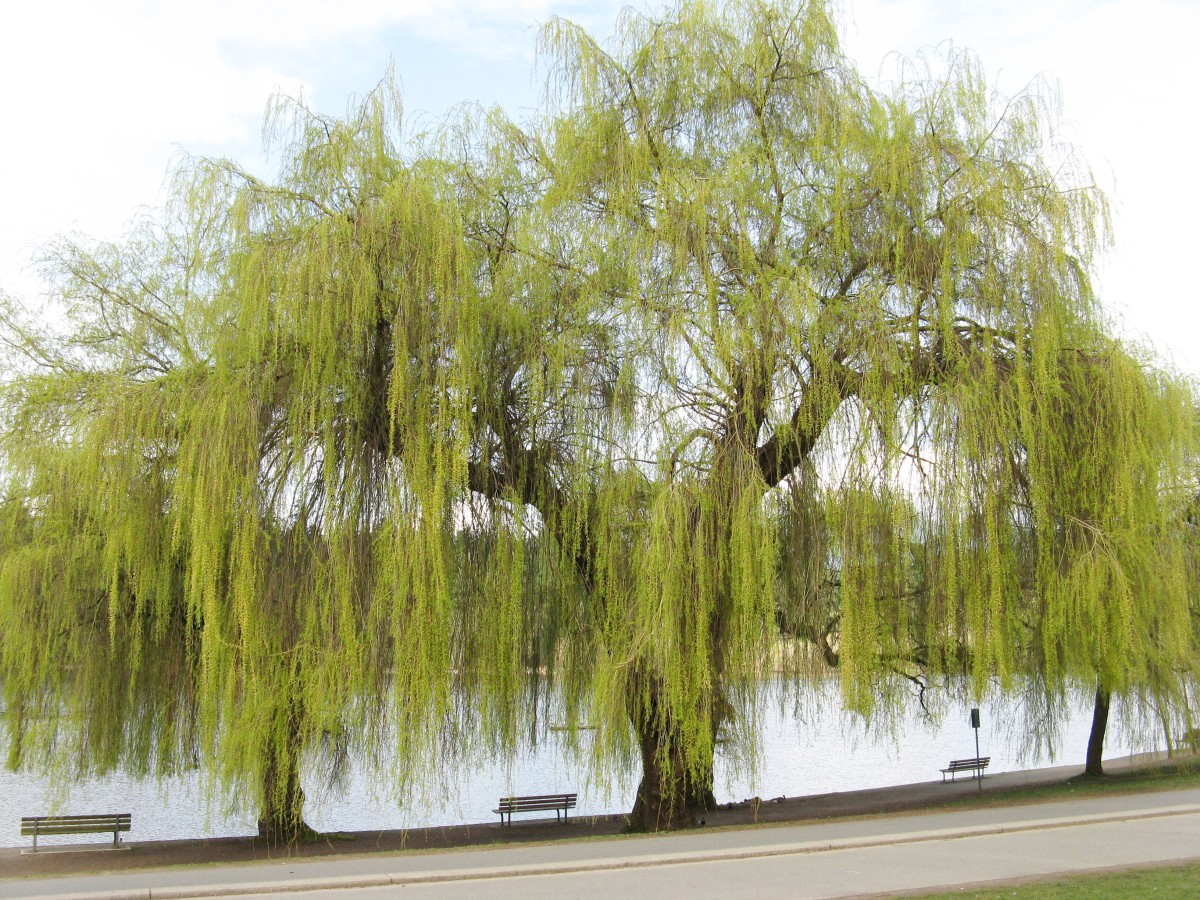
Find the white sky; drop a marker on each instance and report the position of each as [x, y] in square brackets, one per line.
[96, 96]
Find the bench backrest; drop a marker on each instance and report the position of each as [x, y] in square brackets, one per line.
[75, 824]
[969, 763]
[538, 801]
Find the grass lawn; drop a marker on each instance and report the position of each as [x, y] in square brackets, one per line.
[1134, 884]
[1179, 775]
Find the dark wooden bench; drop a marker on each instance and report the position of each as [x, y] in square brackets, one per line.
[977, 764]
[44, 825]
[560, 803]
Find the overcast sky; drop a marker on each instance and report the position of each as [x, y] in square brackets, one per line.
[97, 95]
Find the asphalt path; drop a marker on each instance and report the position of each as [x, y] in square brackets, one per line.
[822, 859]
[881, 869]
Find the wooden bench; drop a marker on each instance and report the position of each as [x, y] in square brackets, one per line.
[560, 803]
[44, 825]
[977, 764]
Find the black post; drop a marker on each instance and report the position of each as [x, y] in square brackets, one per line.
[975, 725]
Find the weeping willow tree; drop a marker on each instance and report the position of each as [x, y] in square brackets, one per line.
[362, 456]
[897, 281]
[204, 470]
[1097, 564]
[280, 483]
[1119, 598]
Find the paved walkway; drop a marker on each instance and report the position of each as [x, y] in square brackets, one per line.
[131, 874]
[872, 865]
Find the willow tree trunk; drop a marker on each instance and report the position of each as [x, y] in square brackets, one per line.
[673, 793]
[1095, 748]
[281, 819]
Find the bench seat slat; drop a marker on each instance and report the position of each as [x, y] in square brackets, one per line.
[45, 821]
[519, 807]
[71, 829]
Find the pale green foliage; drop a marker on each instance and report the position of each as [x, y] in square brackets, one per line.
[372, 451]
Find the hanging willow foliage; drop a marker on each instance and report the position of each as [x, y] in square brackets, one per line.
[366, 456]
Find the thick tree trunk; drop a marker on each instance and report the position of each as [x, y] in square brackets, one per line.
[1095, 748]
[668, 796]
[671, 795]
[281, 819]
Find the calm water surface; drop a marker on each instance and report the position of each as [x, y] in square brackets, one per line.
[820, 751]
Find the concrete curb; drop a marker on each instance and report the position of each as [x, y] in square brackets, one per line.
[616, 862]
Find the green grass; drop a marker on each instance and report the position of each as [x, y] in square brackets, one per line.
[1135, 884]
[1172, 776]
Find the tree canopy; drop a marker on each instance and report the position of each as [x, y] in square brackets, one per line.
[376, 453]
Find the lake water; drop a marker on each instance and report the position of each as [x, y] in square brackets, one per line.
[822, 750]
